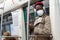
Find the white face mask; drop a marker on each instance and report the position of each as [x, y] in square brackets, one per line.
[40, 12]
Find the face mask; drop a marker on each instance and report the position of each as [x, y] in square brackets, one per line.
[40, 12]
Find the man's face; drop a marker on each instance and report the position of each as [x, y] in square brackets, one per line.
[39, 7]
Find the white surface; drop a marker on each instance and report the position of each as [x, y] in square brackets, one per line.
[55, 20]
[16, 28]
[18, 23]
[9, 4]
[1, 1]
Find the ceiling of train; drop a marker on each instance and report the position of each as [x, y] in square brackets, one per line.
[46, 2]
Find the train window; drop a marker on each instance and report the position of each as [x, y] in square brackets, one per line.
[8, 30]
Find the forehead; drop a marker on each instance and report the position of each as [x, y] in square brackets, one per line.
[38, 6]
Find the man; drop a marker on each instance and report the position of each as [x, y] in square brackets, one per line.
[40, 19]
[42, 22]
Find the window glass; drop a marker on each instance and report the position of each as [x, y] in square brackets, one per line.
[5, 28]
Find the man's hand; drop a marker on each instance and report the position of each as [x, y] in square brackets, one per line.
[31, 26]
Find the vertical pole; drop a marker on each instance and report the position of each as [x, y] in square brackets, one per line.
[1, 22]
[28, 20]
[2, 17]
[54, 19]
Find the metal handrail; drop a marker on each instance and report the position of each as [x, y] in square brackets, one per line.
[42, 35]
[10, 36]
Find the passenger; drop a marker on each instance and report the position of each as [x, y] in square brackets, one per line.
[9, 38]
[42, 22]
[40, 19]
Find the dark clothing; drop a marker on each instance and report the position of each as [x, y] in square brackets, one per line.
[11, 38]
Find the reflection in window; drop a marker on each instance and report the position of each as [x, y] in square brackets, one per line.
[5, 28]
